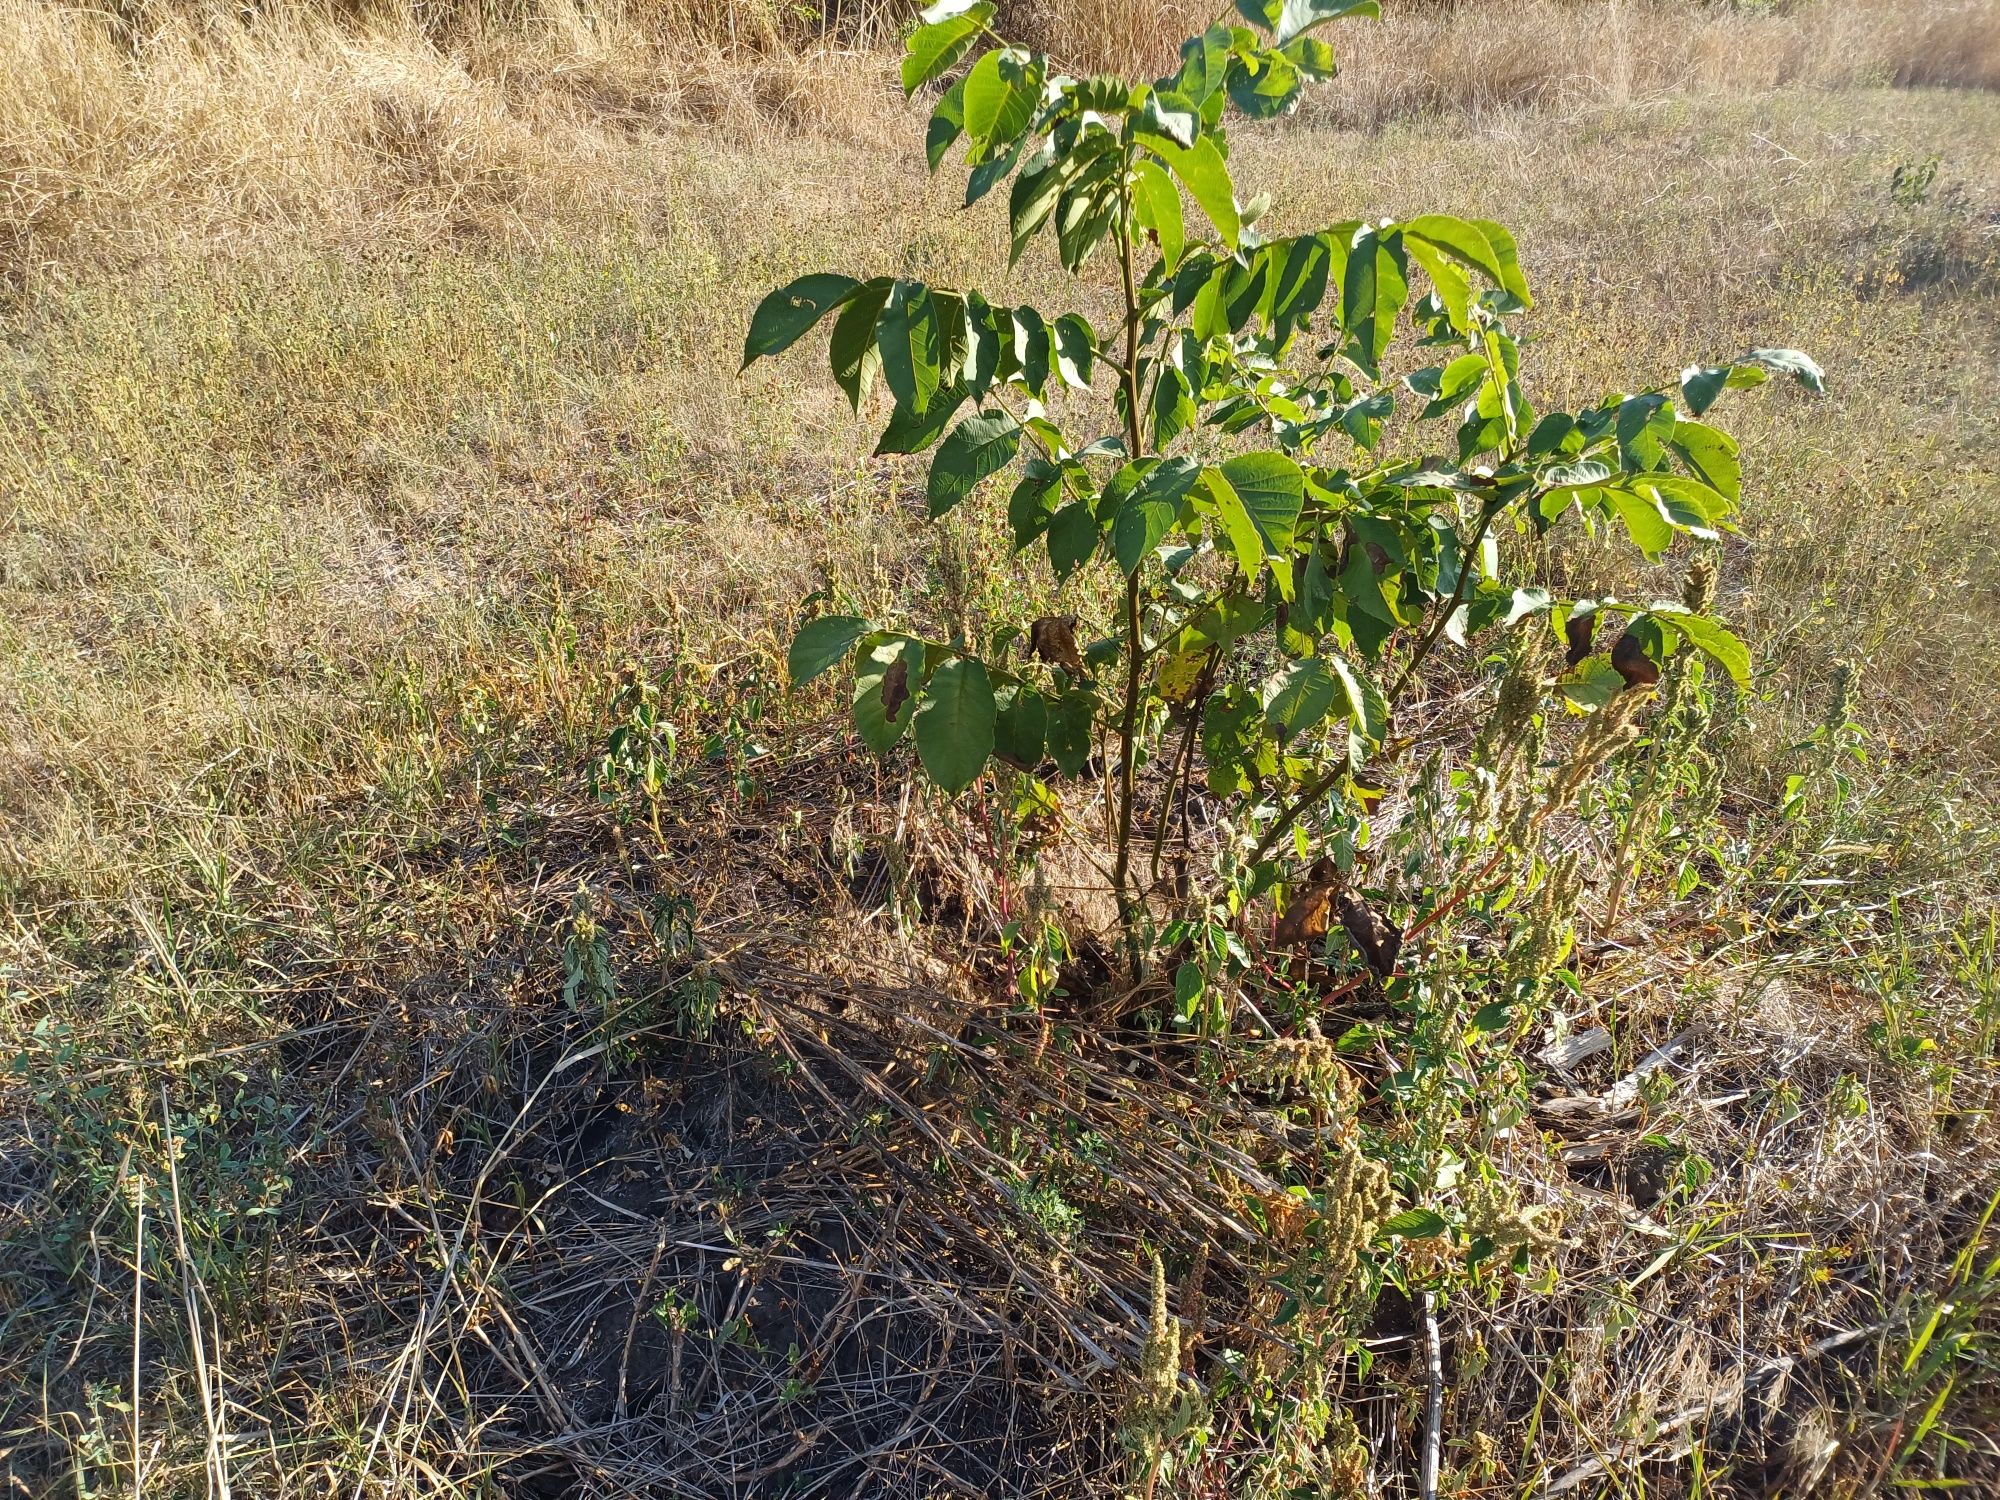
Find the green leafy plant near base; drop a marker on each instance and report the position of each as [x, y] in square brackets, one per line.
[1277, 601]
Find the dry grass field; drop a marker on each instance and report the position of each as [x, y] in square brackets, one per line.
[387, 1114]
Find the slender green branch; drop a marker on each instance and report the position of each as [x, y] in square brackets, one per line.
[1128, 728]
[1443, 621]
[1326, 783]
[1183, 762]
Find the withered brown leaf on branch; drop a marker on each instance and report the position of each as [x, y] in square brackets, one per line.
[1579, 633]
[1379, 941]
[1629, 657]
[1053, 639]
[1305, 917]
[895, 688]
[1309, 915]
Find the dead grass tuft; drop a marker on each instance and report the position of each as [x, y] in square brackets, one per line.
[1957, 46]
[1133, 38]
[205, 130]
[1456, 58]
[178, 124]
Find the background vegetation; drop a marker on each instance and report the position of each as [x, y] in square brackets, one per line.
[371, 452]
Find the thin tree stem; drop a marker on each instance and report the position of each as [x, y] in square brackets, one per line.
[1434, 1406]
[1443, 620]
[1325, 783]
[1128, 728]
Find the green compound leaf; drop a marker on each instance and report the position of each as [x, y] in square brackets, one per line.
[821, 643]
[913, 431]
[1312, 57]
[1205, 174]
[1031, 504]
[1033, 347]
[1029, 203]
[1204, 63]
[1470, 244]
[947, 124]
[1712, 455]
[911, 336]
[1072, 538]
[1651, 532]
[1367, 710]
[1802, 367]
[1267, 88]
[1239, 750]
[1504, 248]
[978, 446]
[1298, 16]
[1245, 540]
[784, 317]
[1299, 697]
[1142, 523]
[986, 329]
[955, 723]
[855, 355]
[1710, 637]
[988, 174]
[892, 660]
[1083, 218]
[1453, 287]
[1020, 731]
[935, 47]
[1688, 504]
[1174, 410]
[1592, 682]
[1170, 116]
[1415, 1224]
[1156, 209]
[1374, 288]
[1300, 284]
[1702, 384]
[1075, 349]
[1069, 725]
[1001, 92]
[1272, 489]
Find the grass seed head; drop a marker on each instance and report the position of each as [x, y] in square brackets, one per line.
[1544, 934]
[1358, 1198]
[1698, 587]
[1494, 1211]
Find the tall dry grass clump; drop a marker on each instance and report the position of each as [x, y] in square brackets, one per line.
[117, 135]
[215, 128]
[1135, 37]
[121, 131]
[1457, 58]
[1956, 46]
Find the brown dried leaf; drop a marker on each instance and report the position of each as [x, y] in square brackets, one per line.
[1053, 639]
[1306, 917]
[1379, 941]
[895, 689]
[1630, 658]
[1579, 633]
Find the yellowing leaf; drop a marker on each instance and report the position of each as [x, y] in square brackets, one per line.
[1180, 674]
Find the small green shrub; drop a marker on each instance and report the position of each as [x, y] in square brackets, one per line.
[1284, 476]
[1276, 604]
[640, 750]
[1911, 183]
